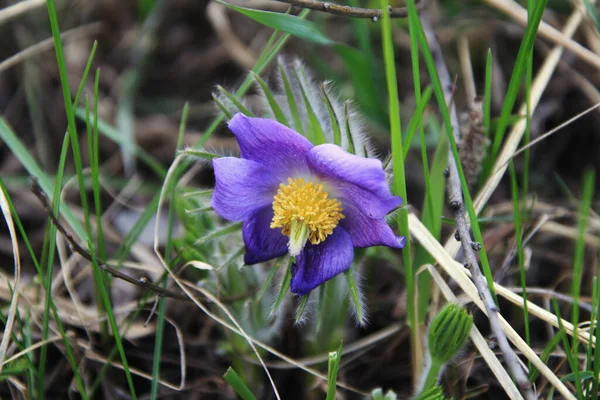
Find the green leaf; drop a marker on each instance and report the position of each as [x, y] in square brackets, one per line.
[318, 136]
[301, 307]
[269, 279]
[335, 124]
[355, 297]
[279, 116]
[285, 286]
[221, 106]
[235, 101]
[238, 384]
[218, 233]
[290, 98]
[201, 154]
[351, 148]
[285, 23]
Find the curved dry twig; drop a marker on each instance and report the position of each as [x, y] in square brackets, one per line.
[142, 282]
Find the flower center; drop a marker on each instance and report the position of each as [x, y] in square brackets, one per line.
[304, 211]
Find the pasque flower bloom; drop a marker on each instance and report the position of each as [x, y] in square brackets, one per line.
[315, 202]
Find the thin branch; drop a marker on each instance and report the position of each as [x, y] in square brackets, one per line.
[457, 204]
[347, 11]
[76, 247]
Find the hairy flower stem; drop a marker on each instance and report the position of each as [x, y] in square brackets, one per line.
[432, 375]
[456, 202]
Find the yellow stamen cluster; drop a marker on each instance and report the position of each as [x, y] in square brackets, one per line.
[305, 203]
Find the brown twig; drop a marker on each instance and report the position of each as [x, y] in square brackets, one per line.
[462, 225]
[347, 11]
[76, 247]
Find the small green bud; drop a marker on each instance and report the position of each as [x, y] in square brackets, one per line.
[448, 333]
[432, 393]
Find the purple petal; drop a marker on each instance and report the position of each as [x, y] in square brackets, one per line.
[366, 231]
[262, 242]
[319, 263]
[360, 181]
[270, 143]
[242, 187]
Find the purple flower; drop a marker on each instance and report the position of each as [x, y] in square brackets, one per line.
[315, 202]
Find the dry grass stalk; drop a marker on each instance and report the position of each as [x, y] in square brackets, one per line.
[516, 134]
[455, 195]
[457, 272]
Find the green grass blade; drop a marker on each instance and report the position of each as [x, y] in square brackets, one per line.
[20, 151]
[399, 183]
[515, 81]
[487, 95]
[86, 71]
[519, 244]
[238, 384]
[51, 305]
[96, 188]
[545, 356]
[332, 371]
[582, 224]
[571, 358]
[113, 134]
[95, 169]
[48, 303]
[99, 275]
[439, 92]
[432, 218]
[79, 170]
[417, 121]
[162, 303]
